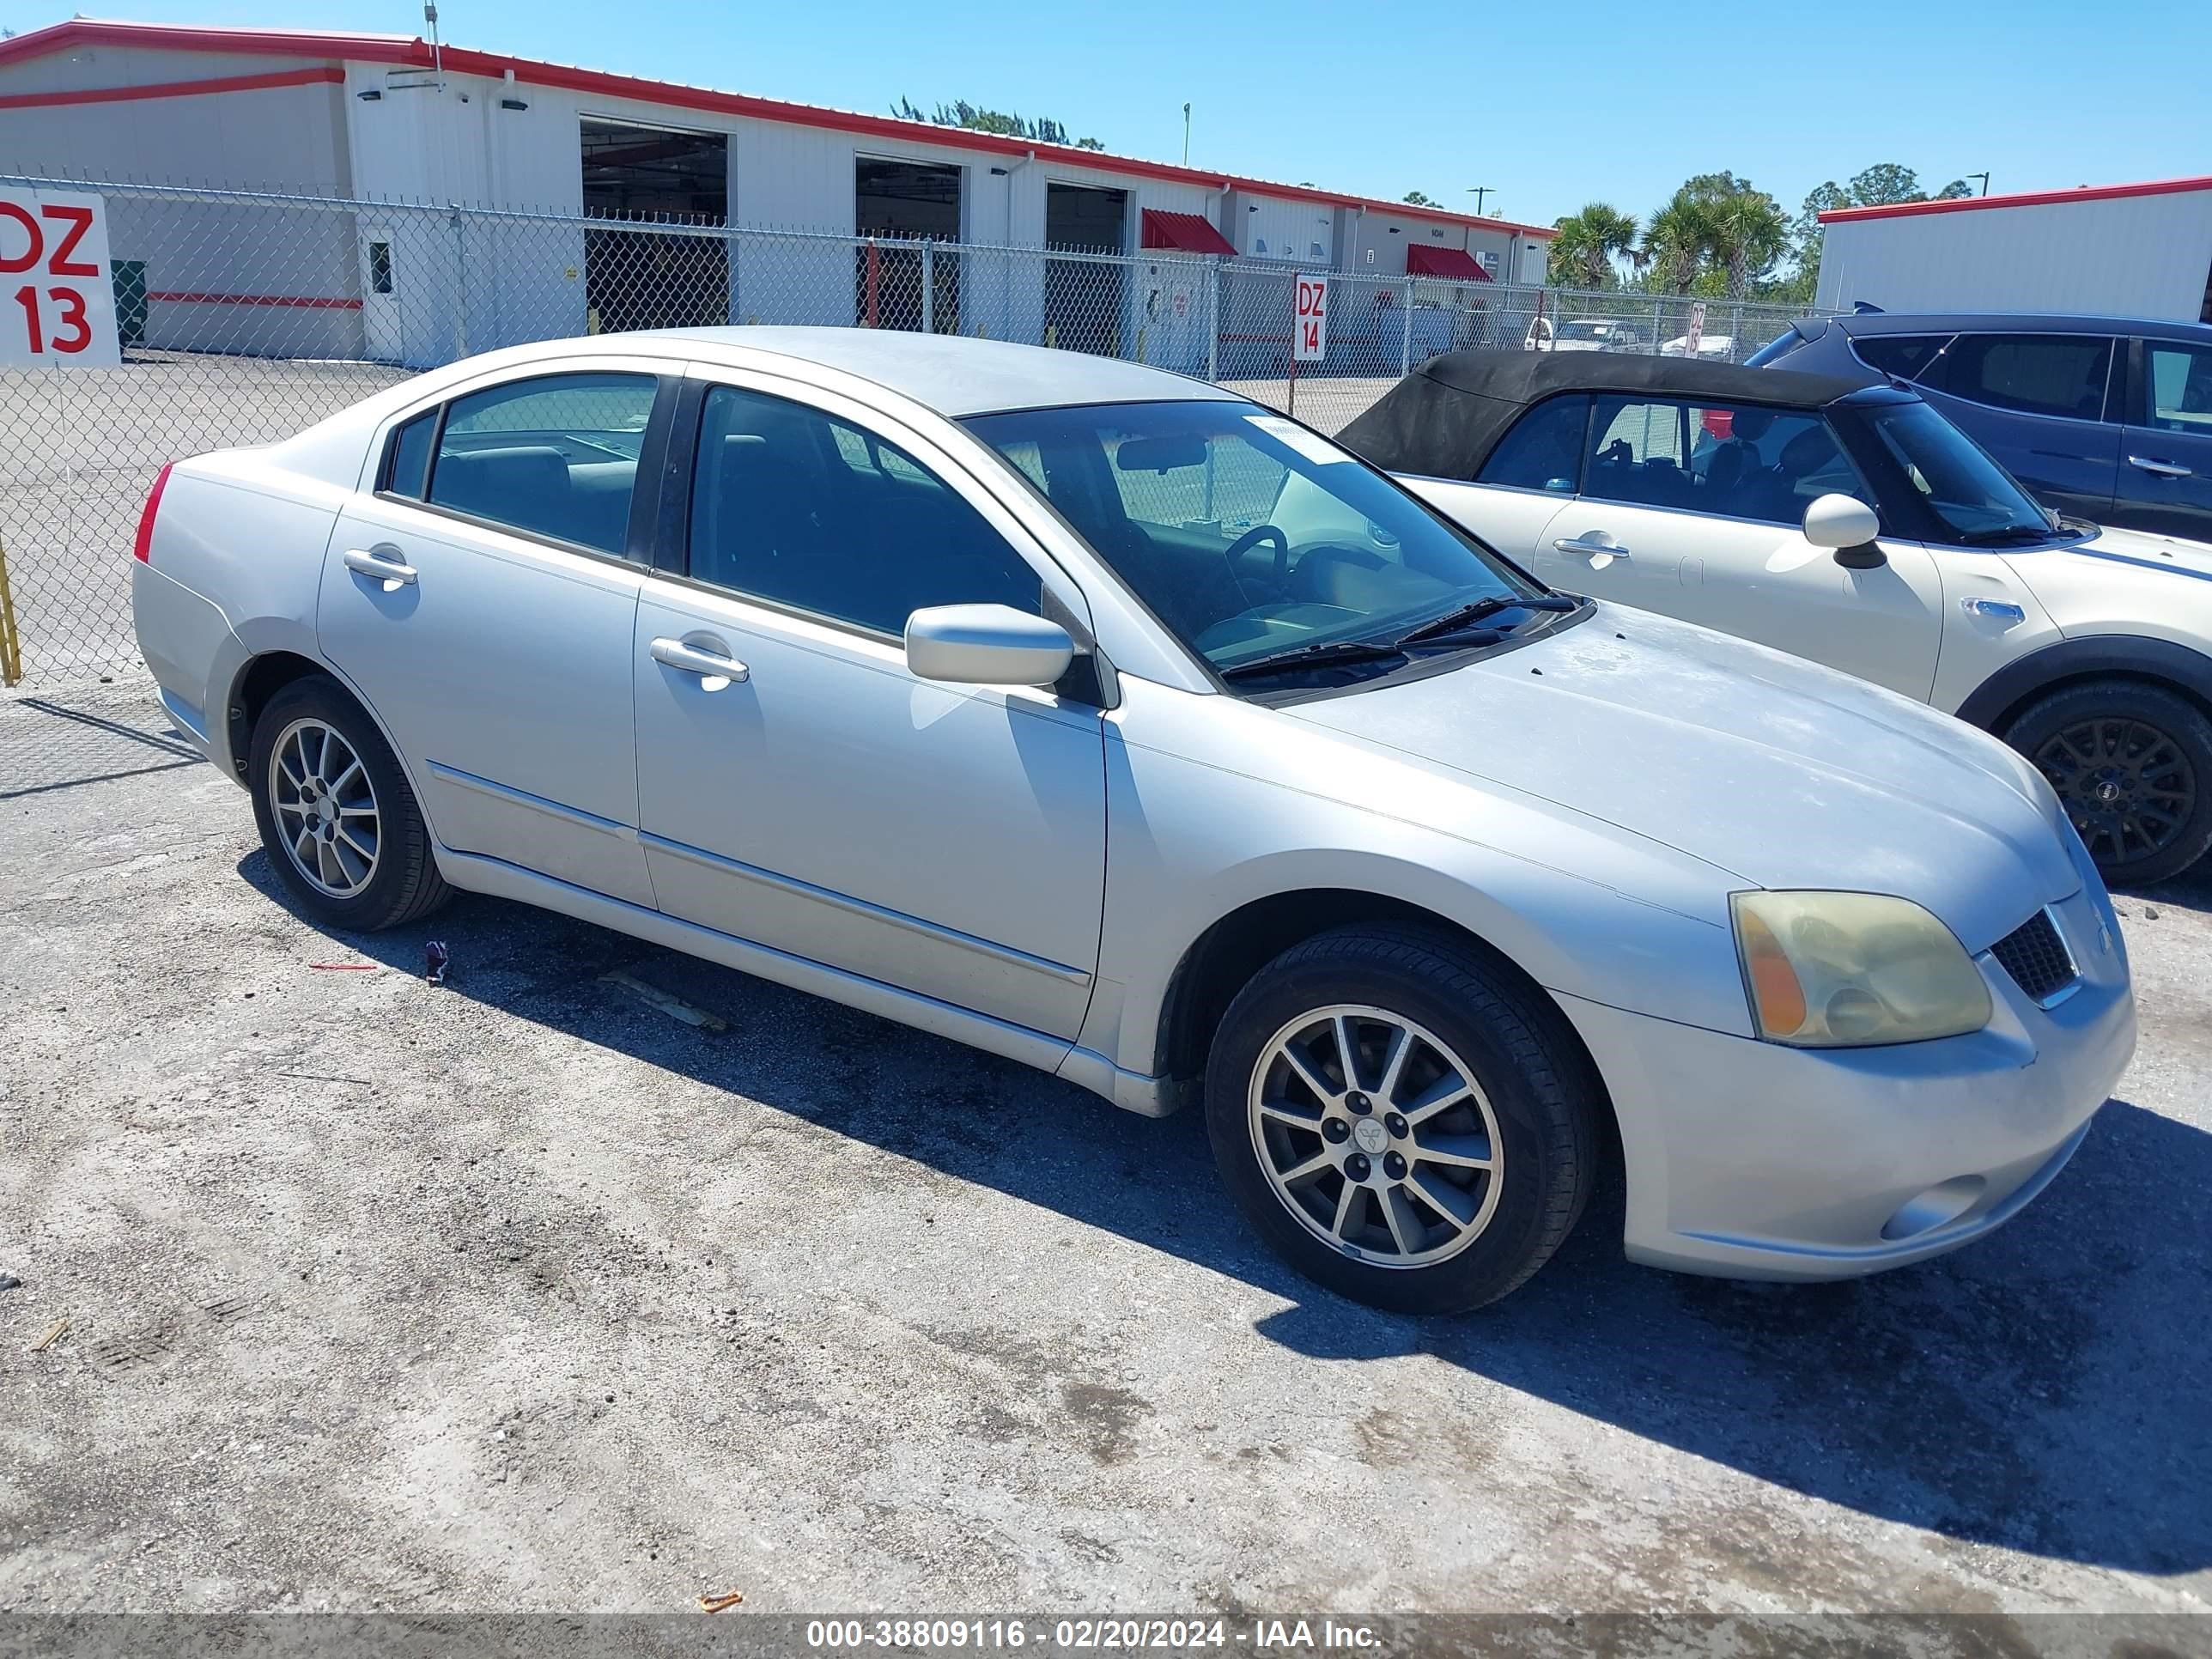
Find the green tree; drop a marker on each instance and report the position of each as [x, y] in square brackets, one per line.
[1589, 243]
[1882, 184]
[1746, 235]
[1043, 130]
[1678, 241]
[1419, 198]
[1885, 183]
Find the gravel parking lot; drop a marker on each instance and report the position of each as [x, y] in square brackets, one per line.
[523, 1294]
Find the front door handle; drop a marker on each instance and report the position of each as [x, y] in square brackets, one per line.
[2164, 469]
[1594, 546]
[716, 670]
[386, 567]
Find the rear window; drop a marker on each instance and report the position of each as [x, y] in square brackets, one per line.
[2061, 375]
[1543, 449]
[1905, 355]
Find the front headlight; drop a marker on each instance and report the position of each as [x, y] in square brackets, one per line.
[1829, 971]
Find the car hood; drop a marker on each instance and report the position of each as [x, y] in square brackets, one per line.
[2169, 553]
[1781, 773]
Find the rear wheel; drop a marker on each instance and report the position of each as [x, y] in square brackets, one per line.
[2132, 764]
[1399, 1120]
[337, 817]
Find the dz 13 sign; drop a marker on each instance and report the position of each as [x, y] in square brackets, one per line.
[1310, 322]
[56, 299]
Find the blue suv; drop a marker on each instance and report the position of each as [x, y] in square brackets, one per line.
[2101, 417]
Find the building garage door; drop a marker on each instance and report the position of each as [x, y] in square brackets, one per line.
[1083, 299]
[676, 275]
[905, 201]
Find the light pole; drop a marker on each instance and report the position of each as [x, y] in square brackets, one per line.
[1985, 177]
[1478, 191]
[1186, 135]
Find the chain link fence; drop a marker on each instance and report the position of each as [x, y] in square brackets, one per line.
[244, 318]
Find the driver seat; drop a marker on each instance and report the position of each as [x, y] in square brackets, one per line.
[1190, 591]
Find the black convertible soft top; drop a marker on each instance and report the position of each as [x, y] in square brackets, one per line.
[1443, 419]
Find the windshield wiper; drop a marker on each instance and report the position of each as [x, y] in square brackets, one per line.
[1467, 615]
[1323, 653]
[2009, 533]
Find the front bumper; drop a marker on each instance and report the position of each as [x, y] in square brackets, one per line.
[1751, 1160]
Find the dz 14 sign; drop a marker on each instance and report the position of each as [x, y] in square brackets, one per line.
[56, 299]
[1310, 321]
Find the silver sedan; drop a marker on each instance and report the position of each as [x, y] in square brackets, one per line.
[1100, 719]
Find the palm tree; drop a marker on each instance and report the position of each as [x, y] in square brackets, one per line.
[1590, 241]
[1746, 234]
[1678, 238]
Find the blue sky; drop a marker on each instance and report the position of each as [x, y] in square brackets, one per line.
[1617, 103]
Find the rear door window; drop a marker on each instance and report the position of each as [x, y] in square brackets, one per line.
[555, 455]
[2061, 375]
[792, 506]
[1543, 449]
[408, 468]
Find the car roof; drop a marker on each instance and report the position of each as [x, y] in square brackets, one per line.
[1443, 419]
[1523, 377]
[2016, 322]
[955, 376]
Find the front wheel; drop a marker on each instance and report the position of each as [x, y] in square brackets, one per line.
[2132, 764]
[1399, 1120]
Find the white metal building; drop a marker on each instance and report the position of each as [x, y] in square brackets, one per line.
[2118, 250]
[389, 118]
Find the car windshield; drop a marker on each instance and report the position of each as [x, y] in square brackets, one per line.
[1252, 536]
[1973, 496]
[1584, 330]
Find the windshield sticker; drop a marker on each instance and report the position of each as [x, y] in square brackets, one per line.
[1312, 445]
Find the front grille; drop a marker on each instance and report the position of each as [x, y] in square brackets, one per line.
[2035, 956]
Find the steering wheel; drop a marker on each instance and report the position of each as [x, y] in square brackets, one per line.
[1252, 537]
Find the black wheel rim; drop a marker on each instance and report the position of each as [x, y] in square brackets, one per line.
[2127, 786]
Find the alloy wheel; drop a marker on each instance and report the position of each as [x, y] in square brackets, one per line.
[2126, 785]
[1375, 1136]
[324, 807]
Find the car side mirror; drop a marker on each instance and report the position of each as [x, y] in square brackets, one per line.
[986, 645]
[1848, 526]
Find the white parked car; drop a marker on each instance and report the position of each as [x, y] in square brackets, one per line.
[1853, 525]
[1099, 719]
[1595, 334]
[1711, 348]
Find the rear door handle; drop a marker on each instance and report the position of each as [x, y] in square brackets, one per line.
[706, 665]
[2164, 469]
[1590, 544]
[386, 567]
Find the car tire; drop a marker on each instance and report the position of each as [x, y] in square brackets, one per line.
[2118, 752]
[1423, 1236]
[337, 817]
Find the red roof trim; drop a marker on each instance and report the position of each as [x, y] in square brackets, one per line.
[415, 52]
[305, 301]
[1185, 233]
[1454, 263]
[330, 74]
[2029, 198]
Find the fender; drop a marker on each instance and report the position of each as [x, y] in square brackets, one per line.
[2128, 654]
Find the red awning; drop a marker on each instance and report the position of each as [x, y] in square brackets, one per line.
[1454, 263]
[1187, 233]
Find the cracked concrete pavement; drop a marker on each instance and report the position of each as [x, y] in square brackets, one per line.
[520, 1294]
